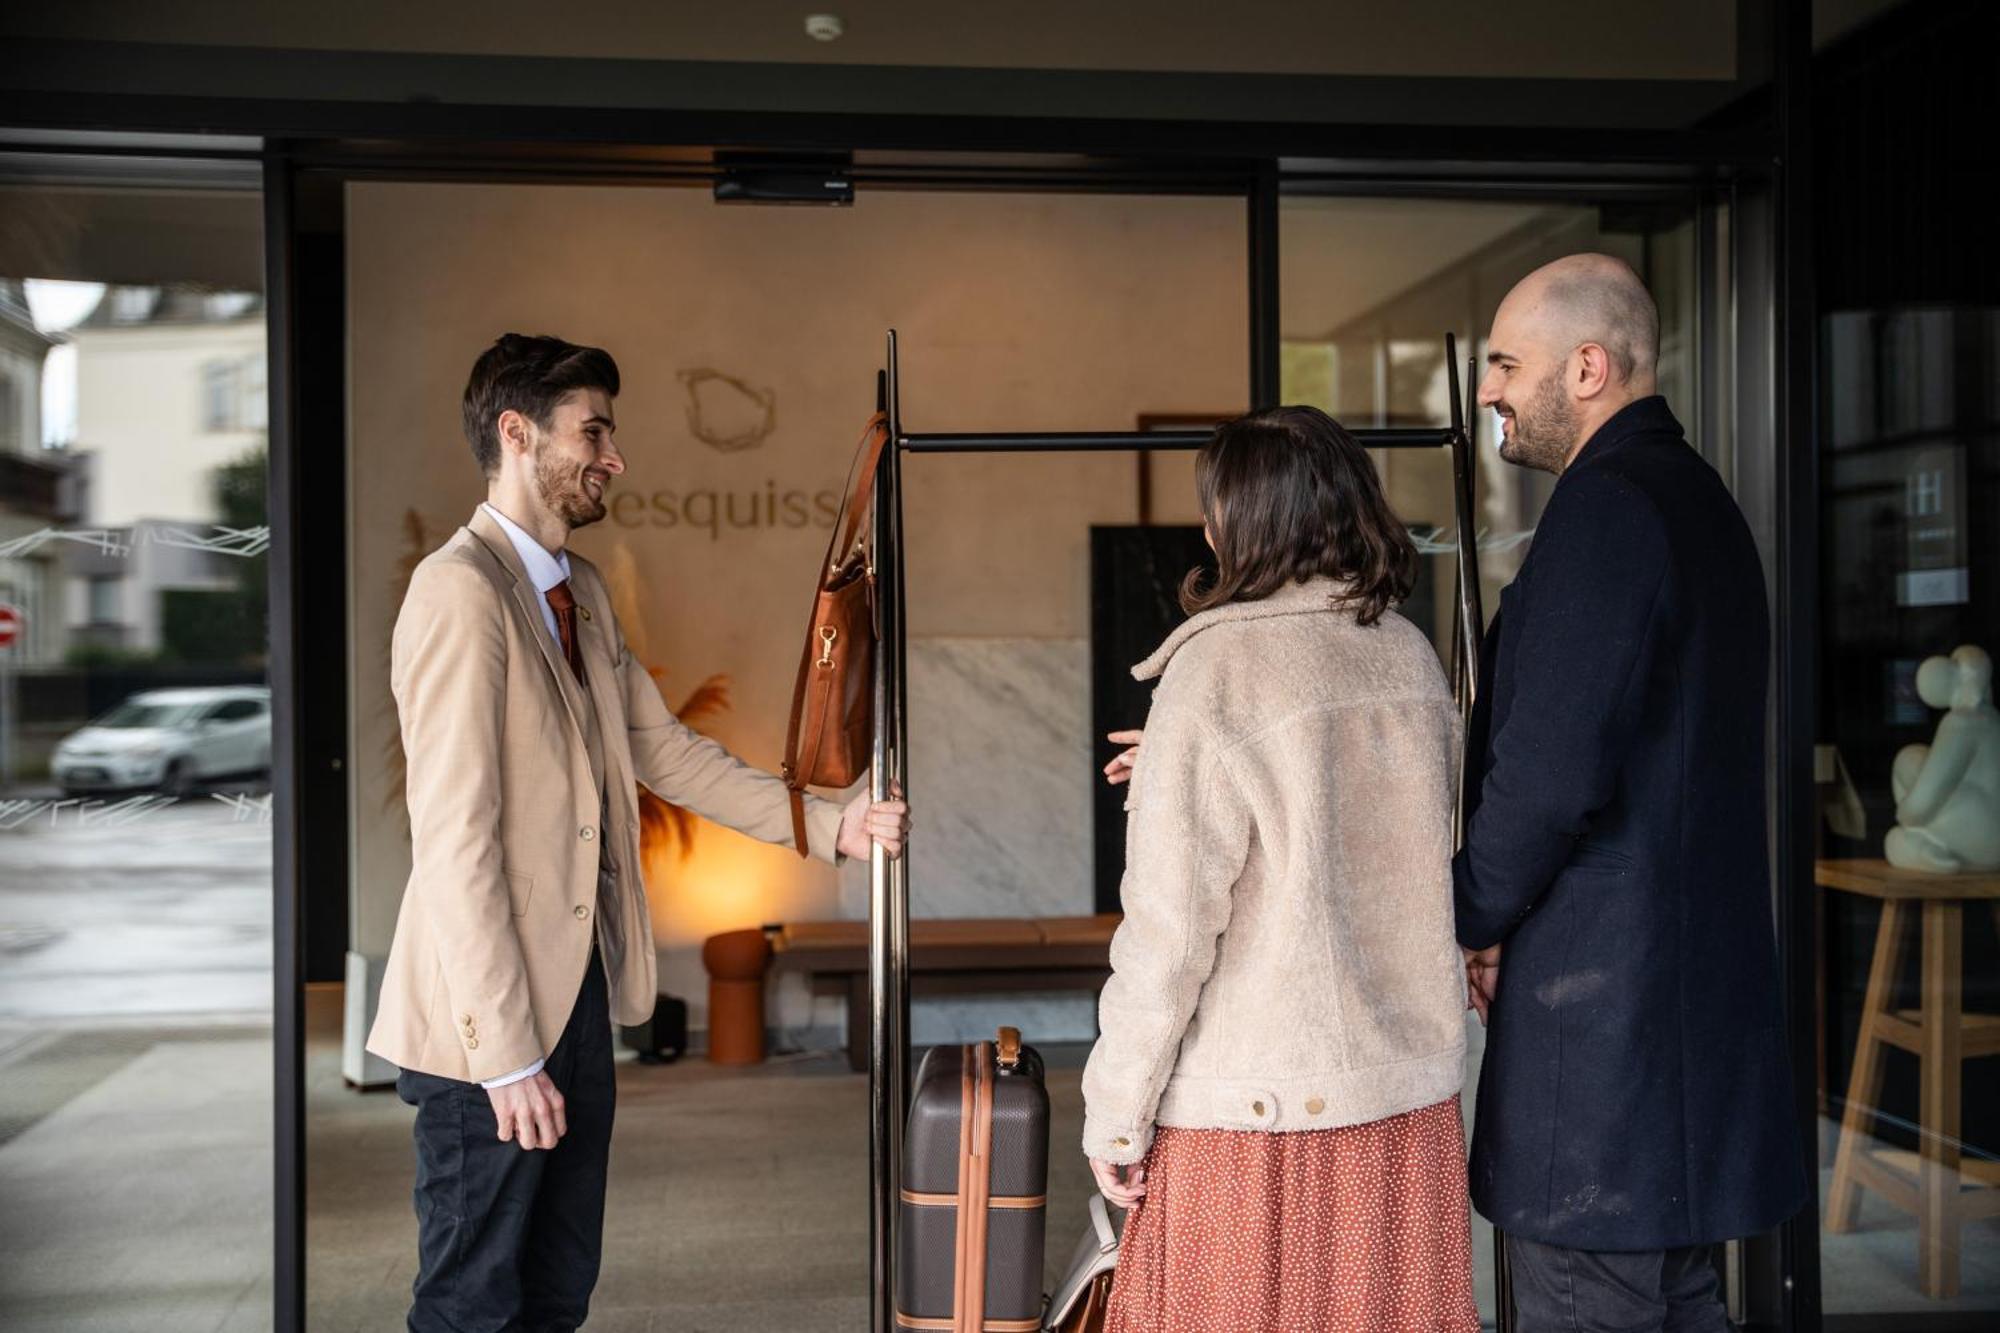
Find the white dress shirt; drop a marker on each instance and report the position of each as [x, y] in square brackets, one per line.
[545, 571]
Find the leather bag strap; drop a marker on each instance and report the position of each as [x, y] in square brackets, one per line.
[976, 1195]
[854, 504]
[961, 1265]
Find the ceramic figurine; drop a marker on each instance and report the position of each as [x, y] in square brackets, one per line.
[1948, 792]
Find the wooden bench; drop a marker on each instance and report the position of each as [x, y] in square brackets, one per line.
[958, 956]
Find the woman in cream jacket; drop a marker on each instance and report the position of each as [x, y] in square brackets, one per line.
[1275, 1090]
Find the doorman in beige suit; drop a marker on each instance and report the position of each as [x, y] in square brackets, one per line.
[527, 728]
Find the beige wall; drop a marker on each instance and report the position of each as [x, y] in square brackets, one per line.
[1041, 312]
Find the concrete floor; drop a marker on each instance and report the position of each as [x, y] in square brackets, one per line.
[135, 1065]
[738, 1199]
[144, 1202]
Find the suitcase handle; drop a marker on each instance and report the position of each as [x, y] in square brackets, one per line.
[1008, 1050]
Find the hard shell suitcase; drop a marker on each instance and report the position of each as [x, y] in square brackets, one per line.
[975, 1190]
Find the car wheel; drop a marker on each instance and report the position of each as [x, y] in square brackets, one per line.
[177, 782]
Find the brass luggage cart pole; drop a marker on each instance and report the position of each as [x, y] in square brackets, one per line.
[889, 883]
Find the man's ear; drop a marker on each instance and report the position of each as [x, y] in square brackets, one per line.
[1590, 367]
[516, 432]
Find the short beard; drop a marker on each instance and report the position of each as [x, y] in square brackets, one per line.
[560, 484]
[1544, 429]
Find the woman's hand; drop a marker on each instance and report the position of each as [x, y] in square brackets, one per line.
[1126, 1191]
[1119, 770]
[1482, 976]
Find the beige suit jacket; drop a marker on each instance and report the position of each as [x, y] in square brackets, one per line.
[506, 822]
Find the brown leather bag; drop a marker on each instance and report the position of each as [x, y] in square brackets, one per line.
[1083, 1299]
[830, 735]
[1088, 1314]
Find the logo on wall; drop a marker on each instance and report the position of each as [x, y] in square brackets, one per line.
[726, 413]
[731, 416]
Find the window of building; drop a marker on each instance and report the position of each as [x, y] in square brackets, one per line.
[219, 396]
[10, 425]
[103, 609]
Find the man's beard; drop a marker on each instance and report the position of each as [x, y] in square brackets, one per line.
[1544, 429]
[563, 490]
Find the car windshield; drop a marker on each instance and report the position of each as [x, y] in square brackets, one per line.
[140, 713]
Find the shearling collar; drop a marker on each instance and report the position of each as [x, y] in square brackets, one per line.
[1314, 595]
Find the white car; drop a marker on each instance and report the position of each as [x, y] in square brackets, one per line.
[168, 740]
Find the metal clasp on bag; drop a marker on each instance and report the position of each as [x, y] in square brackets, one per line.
[827, 634]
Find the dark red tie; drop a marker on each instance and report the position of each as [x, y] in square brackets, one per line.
[563, 603]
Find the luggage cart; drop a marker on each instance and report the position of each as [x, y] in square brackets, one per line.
[889, 882]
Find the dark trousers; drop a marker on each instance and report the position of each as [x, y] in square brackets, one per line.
[1591, 1291]
[508, 1241]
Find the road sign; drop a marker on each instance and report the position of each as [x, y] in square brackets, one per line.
[12, 621]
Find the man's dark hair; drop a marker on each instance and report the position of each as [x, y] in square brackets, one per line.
[1288, 494]
[529, 376]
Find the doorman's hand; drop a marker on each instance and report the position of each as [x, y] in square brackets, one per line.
[530, 1112]
[864, 824]
[1482, 975]
[1119, 770]
[1126, 1191]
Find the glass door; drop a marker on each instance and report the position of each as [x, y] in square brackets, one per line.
[1369, 288]
[135, 751]
[1907, 877]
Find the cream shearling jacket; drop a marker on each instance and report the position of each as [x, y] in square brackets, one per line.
[1287, 960]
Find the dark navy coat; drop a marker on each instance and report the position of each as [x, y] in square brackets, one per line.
[1636, 1092]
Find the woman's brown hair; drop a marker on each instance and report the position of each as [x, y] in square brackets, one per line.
[1287, 495]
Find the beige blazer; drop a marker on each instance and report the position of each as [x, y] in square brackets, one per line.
[1287, 960]
[506, 821]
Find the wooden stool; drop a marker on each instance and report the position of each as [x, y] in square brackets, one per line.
[1934, 1184]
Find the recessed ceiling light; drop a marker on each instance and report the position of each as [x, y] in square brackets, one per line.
[824, 27]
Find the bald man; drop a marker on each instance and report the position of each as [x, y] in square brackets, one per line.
[1613, 898]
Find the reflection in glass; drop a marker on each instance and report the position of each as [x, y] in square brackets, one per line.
[1370, 287]
[135, 844]
[1909, 771]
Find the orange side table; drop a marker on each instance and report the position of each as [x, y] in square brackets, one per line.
[736, 961]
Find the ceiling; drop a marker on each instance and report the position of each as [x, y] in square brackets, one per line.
[1641, 39]
[1343, 257]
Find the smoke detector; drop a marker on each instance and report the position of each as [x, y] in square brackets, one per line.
[824, 27]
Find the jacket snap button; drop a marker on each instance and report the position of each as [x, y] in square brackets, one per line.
[586, 833]
[582, 912]
[1256, 1108]
[472, 1043]
[1315, 1106]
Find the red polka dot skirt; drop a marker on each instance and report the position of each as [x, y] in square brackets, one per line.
[1363, 1229]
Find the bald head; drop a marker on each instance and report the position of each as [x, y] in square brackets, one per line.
[1573, 343]
[1594, 299]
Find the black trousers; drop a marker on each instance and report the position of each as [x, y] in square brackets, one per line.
[1591, 1291]
[509, 1241]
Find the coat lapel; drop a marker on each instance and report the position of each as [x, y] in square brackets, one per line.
[526, 601]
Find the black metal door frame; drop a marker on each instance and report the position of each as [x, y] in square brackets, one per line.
[1260, 161]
